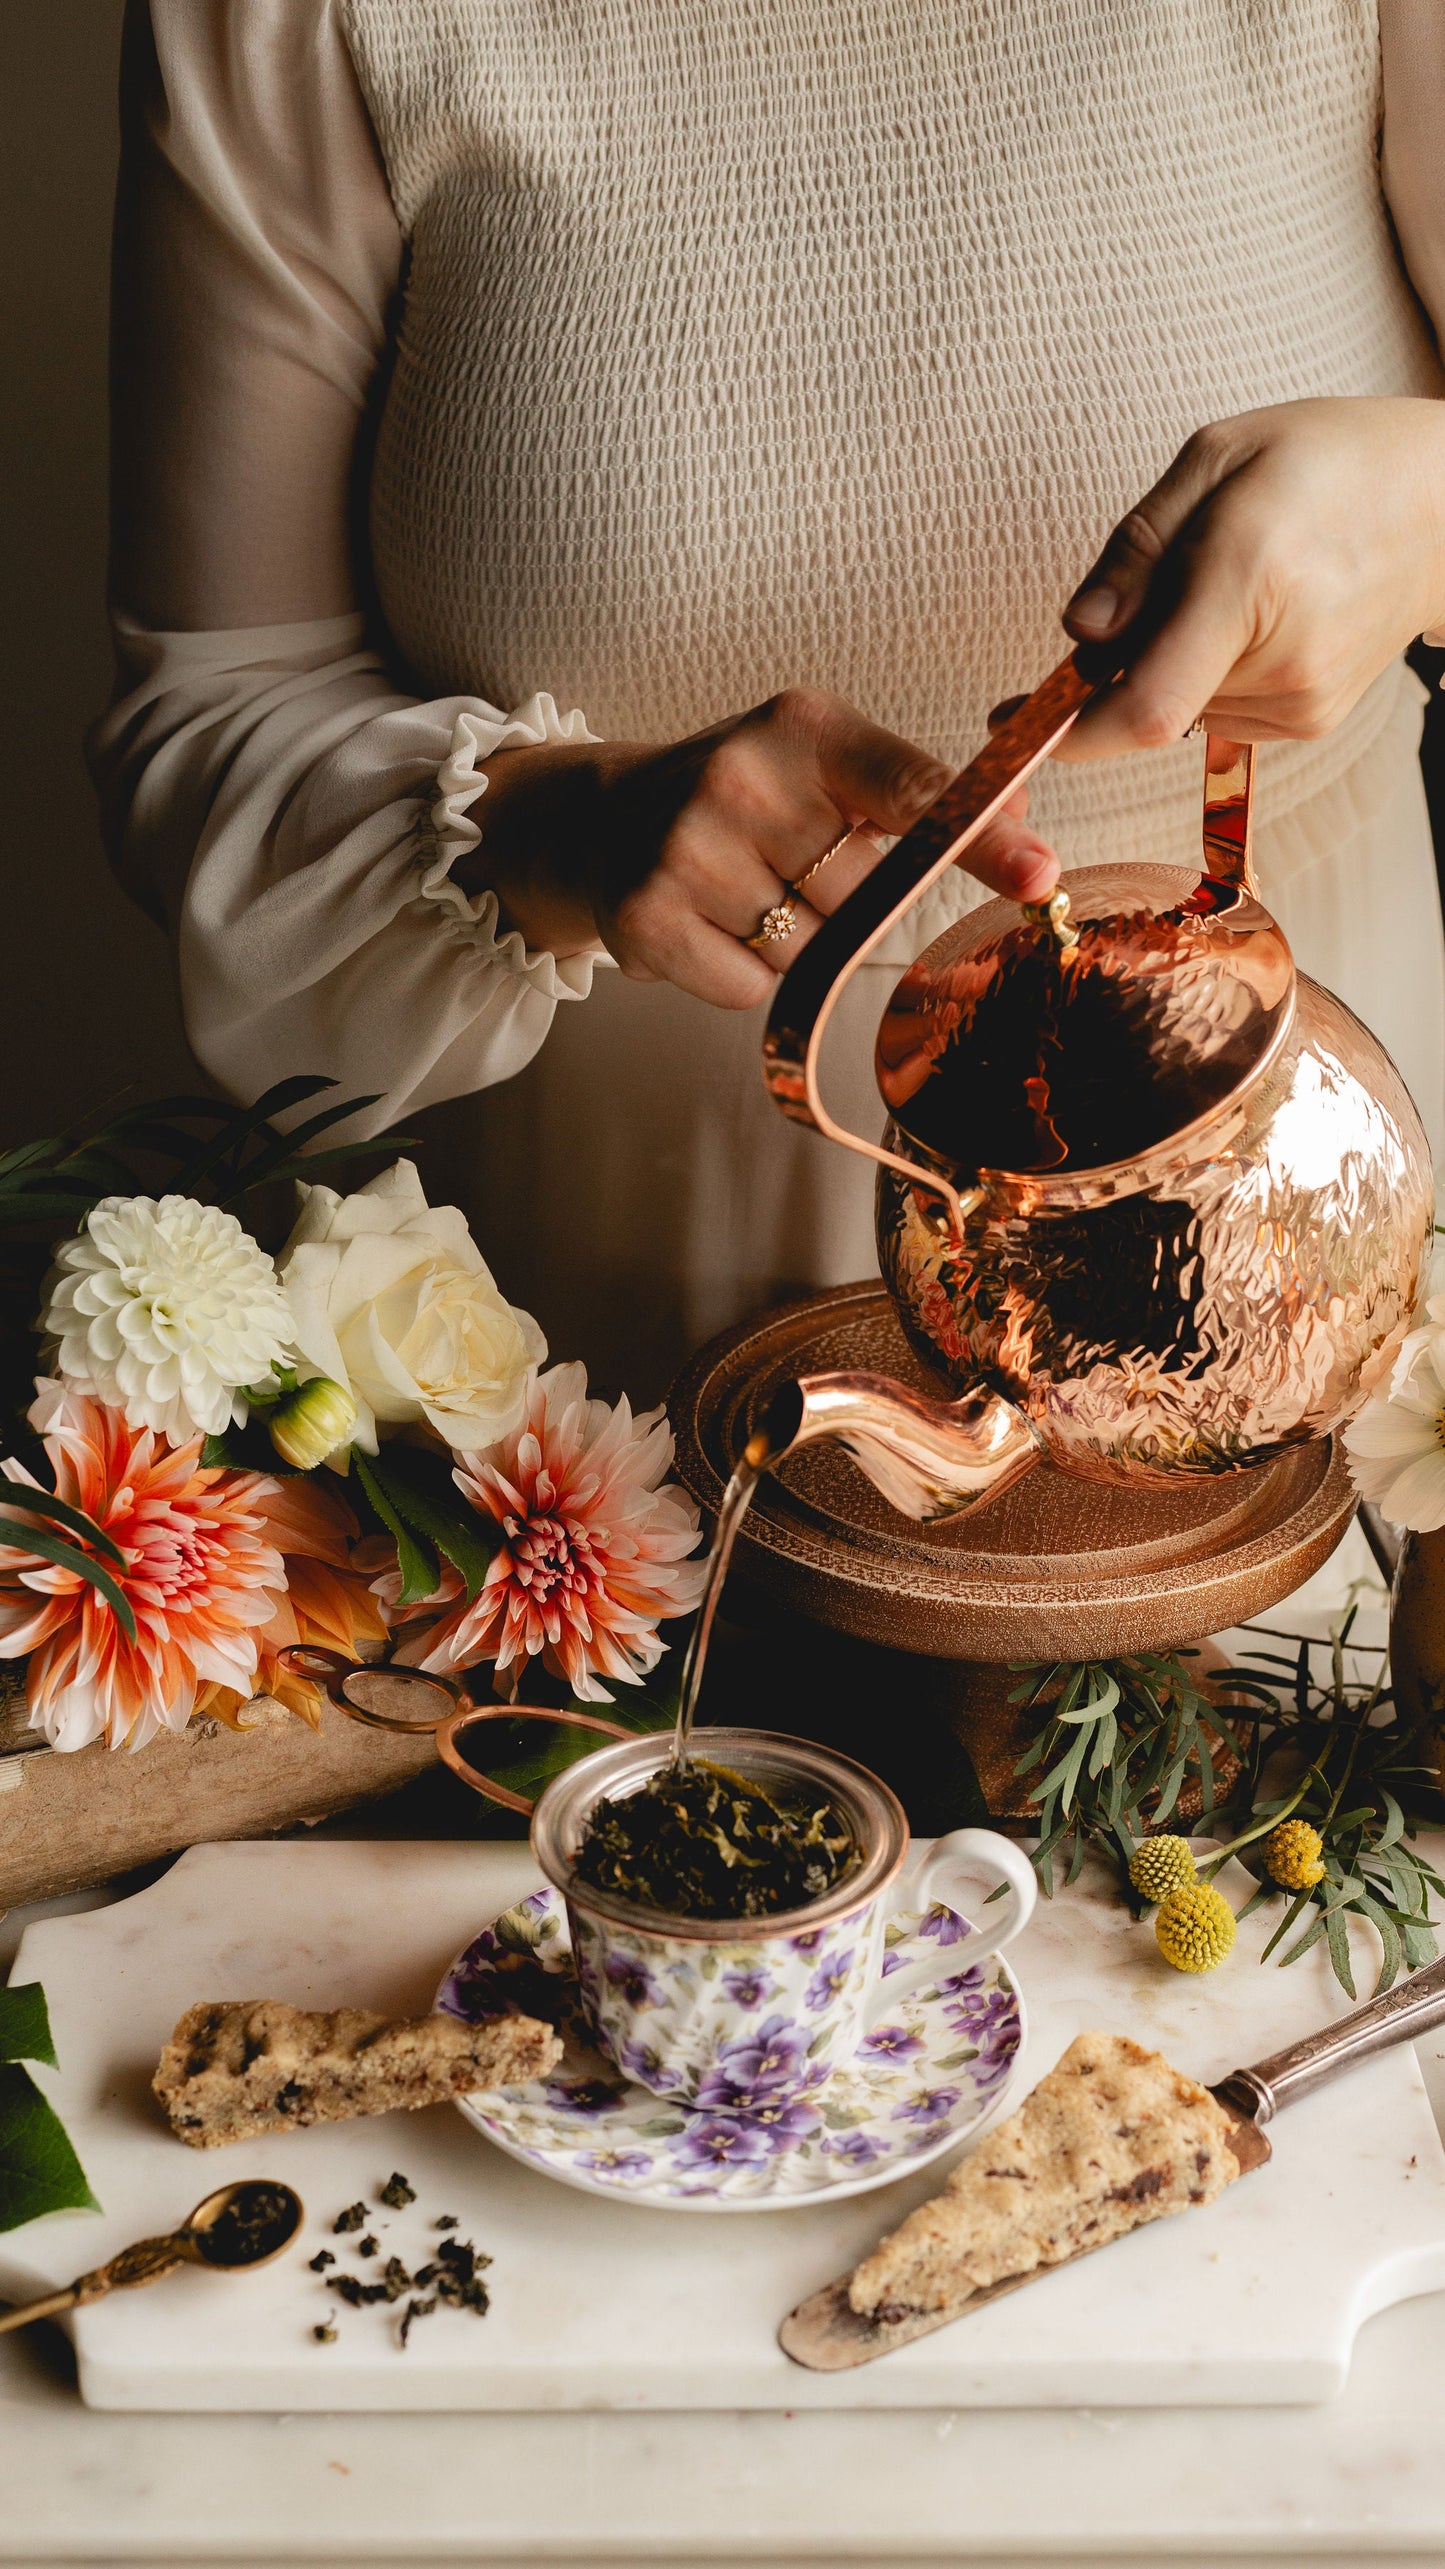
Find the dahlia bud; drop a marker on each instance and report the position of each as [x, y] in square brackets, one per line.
[312, 1423]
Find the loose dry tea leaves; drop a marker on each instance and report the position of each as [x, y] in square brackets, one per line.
[452, 2277]
[260, 2219]
[703, 1842]
[397, 2192]
[394, 2282]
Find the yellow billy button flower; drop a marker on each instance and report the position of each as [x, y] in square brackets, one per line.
[311, 1422]
[1293, 1854]
[1160, 1866]
[1195, 1927]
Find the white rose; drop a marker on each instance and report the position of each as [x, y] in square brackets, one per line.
[391, 1299]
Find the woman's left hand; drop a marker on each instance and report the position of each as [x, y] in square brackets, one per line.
[1281, 563]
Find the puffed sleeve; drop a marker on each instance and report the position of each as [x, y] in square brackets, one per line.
[1412, 158]
[267, 789]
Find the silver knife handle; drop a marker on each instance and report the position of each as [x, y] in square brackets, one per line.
[1410, 2008]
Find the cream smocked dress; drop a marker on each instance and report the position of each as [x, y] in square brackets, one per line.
[497, 371]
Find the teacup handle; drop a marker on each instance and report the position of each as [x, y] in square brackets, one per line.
[962, 1850]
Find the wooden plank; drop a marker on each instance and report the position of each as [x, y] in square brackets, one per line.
[66, 1821]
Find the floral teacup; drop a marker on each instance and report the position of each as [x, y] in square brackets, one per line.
[753, 2015]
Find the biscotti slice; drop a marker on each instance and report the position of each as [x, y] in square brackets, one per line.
[1111, 2138]
[232, 2071]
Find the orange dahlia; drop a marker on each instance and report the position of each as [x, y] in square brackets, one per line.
[200, 1578]
[592, 1552]
[327, 1597]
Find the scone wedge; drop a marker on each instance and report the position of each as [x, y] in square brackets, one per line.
[1113, 2137]
[236, 2069]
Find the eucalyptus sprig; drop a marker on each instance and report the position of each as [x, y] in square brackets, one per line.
[1122, 1738]
[1362, 1783]
[1120, 1741]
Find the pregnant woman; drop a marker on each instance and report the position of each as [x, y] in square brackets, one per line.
[583, 466]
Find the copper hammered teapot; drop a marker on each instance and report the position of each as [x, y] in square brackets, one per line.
[1150, 1202]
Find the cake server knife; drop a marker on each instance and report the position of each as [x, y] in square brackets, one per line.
[827, 2335]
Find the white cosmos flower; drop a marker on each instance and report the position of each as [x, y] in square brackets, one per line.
[165, 1309]
[1396, 1445]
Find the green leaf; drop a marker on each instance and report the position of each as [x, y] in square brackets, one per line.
[307, 1165]
[20, 1494]
[420, 1569]
[439, 1515]
[50, 1547]
[1340, 1950]
[267, 1161]
[1103, 1702]
[1310, 1937]
[25, 2025]
[39, 2171]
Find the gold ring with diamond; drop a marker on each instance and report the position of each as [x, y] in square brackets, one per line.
[775, 924]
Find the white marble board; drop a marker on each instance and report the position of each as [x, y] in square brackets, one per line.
[606, 2306]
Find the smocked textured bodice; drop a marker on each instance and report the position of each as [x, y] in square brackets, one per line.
[771, 340]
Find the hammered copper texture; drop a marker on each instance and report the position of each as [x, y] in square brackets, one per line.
[1222, 1305]
[1003, 1048]
[1056, 1567]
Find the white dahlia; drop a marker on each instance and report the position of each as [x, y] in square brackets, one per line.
[165, 1310]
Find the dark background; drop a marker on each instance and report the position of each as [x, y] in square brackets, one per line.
[85, 982]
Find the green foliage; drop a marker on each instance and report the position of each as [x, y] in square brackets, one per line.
[25, 2025]
[1360, 1780]
[1121, 1739]
[39, 2171]
[415, 1500]
[61, 1177]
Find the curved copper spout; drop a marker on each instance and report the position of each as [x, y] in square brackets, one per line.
[929, 1458]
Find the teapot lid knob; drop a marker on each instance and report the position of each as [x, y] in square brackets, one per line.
[1055, 913]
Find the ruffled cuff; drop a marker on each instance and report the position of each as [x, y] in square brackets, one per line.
[475, 918]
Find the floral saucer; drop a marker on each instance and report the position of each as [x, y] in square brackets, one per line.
[920, 2082]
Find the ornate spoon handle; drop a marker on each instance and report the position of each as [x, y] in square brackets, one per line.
[1411, 2008]
[144, 2263]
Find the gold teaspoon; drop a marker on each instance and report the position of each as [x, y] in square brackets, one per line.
[238, 2226]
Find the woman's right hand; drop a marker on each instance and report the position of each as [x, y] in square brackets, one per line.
[670, 857]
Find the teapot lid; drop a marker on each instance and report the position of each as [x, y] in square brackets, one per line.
[1083, 1032]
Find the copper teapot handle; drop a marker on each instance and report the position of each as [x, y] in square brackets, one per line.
[1229, 813]
[809, 992]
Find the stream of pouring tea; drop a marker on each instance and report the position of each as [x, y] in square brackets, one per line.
[737, 1498]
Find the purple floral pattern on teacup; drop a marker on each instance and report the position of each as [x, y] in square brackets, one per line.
[755, 2069]
[748, 1985]
[776, 2127]
[631, 1978]
[693, 2020]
